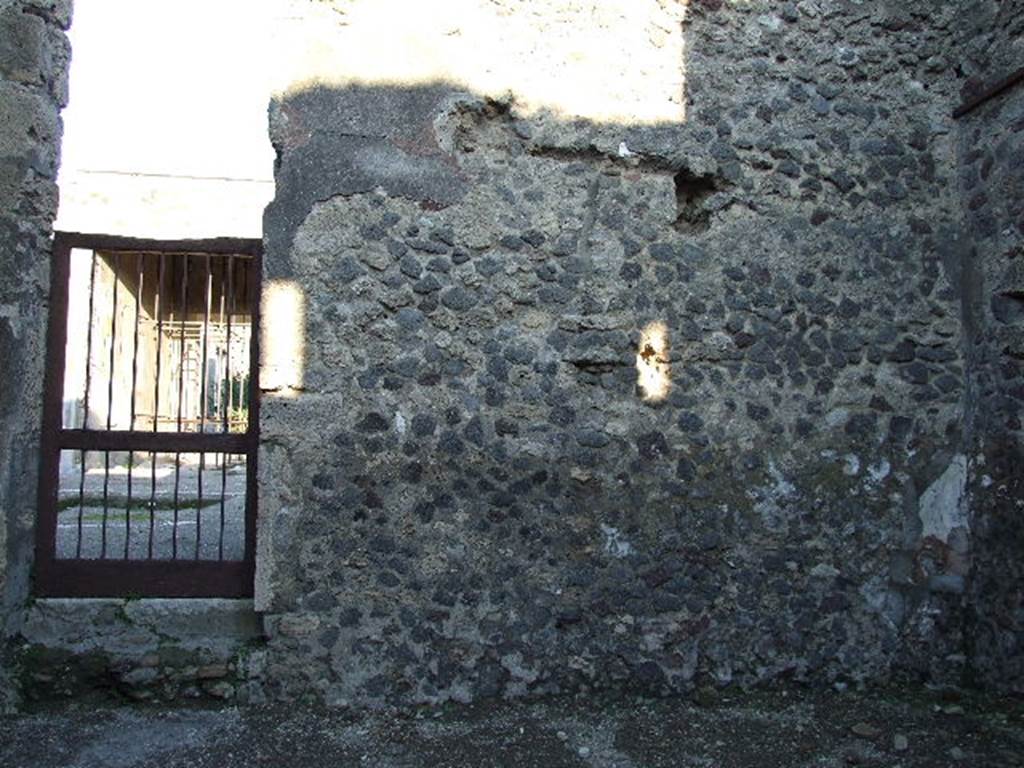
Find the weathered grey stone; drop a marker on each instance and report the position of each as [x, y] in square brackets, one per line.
[472, 496]
[21, 46]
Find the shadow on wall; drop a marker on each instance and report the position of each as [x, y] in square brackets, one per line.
[447, 151]
[384, 96]
[466, 465]
[468, 434]
[459, 301]
[445, 275]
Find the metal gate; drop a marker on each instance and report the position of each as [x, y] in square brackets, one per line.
[150, 423]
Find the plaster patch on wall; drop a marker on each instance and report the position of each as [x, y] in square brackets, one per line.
[878, 472]
[782, 486]
[836, 417]
[614, 544]
[10, 313]
[851, 465]
[943, 506]
[771, 500]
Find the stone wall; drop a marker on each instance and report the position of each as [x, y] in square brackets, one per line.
[466, 491]
[33, 87]
[991, 179]
[558, 400]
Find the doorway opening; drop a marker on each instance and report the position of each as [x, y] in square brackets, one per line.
[150, 426]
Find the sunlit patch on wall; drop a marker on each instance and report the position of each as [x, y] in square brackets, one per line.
[617, 60]
[653, 372]
[283, 323]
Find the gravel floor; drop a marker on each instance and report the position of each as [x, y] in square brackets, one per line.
[777, 728]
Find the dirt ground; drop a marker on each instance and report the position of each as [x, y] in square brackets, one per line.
[793, 727]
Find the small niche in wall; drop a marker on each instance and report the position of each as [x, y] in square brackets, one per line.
[1008, 307]
[692, 193]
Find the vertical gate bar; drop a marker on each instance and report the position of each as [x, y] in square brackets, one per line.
[231, 397]
[116, 263]
[128, 505]
[225, 290]
[205, 348]
[181, 338]
[174, 530]
[202, 399]
[181, 397]
[88, 344]
[231, 311]
[81, 507]
[135, 341]
[152, 504]
[199, 501]
[48, 476]
[85, 399]
[158, 310]
[252, 427]
[227, 365]
[223, 493]
[135, 381]
[113, 344]
[219, 394]
[106, 486]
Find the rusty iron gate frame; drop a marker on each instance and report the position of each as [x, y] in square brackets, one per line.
[125, 577]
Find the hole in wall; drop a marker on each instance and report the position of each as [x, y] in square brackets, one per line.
[1008, 307]
[692, 193]
[482, 125]
[595, 367]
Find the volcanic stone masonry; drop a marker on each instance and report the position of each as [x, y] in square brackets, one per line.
[34, 56]
[556, 404]
[467, 494]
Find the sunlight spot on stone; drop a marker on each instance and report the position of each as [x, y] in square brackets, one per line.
[653, 372]
[283, 323]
